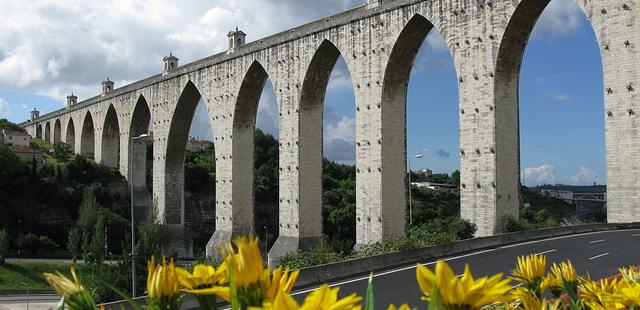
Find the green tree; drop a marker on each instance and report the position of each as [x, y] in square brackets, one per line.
[5, 124]
[4, 245]
[73, 244]
[455, 178]
[148, 243]
[62, 152]
[97, 246]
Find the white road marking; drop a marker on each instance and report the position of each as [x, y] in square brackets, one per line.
[636, 235]
[596, 241]
[375, 275]
[598, 256]
[547, 252]
[562, 237]
[461, 256]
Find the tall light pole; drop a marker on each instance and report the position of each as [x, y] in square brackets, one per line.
[133, 227]
[418, 156]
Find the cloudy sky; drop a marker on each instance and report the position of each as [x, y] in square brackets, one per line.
[49, 48]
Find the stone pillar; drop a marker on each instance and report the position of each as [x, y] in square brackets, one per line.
[234, 158]
[168, 172]
[618, 30]
[380, 144]
[234, 205]
[300, 215]
[489, 121]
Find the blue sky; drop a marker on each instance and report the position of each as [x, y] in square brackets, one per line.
[561, 106]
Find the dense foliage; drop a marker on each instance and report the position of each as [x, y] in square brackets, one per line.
[4, 245]
[5, 124]
[40, 203]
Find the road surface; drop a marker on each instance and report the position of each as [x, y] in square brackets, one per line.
[36, 301]
[598, 254]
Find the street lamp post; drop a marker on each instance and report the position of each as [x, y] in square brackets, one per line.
[133, 229]
[418, 156]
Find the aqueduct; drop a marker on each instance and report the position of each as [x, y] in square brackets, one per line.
[379, 42]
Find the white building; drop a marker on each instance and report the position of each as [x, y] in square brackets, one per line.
[15, 138]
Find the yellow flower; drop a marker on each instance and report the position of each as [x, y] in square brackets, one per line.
[564, 272]
[631, 274]
[246, 262]
[530, 269]
[74, 293]
[327, 298]
[162, 281]
[403, 307]
[601, 294]
[205, 280]
[251, 283]
[279, 281]
[465, 291]
[323, 298]
[64, 286]
[628, 293]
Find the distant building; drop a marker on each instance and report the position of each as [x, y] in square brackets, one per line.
[15, 138]
[26, 153]
[560, 194]
[427, 172]
[436, 186]
[194, 144]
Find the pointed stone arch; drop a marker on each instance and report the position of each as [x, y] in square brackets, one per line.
[110, 149]
[137, 161]
[70, 136]
[244, 124]
[87, 137]
[307, 212]
[57, 131]
[175, 152]
[506, 97]
[394, 137]
[47, 131]
[39, 131]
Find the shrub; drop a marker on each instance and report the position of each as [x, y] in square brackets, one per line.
[320, 255]
[73, 244]
[4, 245]
[29, 242]
[507, 224]
[46, 243]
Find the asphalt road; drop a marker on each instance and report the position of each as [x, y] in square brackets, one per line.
[598, 254]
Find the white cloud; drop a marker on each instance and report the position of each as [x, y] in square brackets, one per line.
[340, 76]
[201, 124]
[4, 107]
[560, 97]
[435, 42]
[585, 176]
[561, 18]
[343, 130]
[546, 174]
[268, 117]
[539, 175]
[56, 47]
[340, 141]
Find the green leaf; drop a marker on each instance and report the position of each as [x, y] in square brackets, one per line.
[122, 294]
[235, 303]
[436, 300]
[369, 302]
[60, 304]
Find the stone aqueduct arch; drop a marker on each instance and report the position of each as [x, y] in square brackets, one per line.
[379, 42]
[57, 131]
